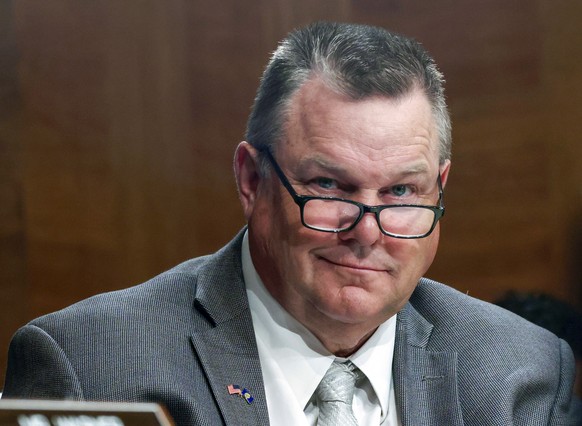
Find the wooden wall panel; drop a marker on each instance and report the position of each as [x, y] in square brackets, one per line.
[562, 72]
[118, 123]
[14, 303]
[69, 186]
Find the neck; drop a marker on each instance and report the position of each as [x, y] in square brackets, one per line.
[342, 345]
[340, 338]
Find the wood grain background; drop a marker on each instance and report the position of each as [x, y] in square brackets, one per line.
[118, 121]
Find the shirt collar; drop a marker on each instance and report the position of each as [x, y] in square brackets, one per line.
[374, 359]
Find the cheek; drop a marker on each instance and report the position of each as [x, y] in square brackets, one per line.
[278, 235]
[432, 245]
[415, 256]
[281, 219]
[268, 215]
[298, 266]
[425, 253]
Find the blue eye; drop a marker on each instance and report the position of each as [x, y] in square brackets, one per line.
[399, 190]
[326, 183]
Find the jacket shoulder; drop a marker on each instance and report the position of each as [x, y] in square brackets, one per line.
[460, 320]
[170, 293]
[503, 360]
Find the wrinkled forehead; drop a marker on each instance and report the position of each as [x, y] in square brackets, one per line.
[319, 118]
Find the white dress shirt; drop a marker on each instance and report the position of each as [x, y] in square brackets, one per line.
[294, 361]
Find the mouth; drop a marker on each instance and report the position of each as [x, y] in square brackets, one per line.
[355, 266]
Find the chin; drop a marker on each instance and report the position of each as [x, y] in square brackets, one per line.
[357, 308]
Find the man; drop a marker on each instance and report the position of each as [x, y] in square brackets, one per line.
[341, 181]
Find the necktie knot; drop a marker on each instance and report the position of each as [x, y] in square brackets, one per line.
[335, 393]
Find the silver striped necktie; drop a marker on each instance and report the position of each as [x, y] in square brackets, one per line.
[335, 393]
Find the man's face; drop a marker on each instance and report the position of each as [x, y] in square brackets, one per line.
[376, 151]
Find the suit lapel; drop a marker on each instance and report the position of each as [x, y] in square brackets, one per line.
[425, 381]
[227, 357]
[227, 350]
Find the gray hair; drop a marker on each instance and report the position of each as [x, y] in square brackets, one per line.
[353, 60]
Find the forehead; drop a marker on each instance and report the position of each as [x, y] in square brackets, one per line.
[377, 130]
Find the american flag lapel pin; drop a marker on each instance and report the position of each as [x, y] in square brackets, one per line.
[243, 393]
[234, 389]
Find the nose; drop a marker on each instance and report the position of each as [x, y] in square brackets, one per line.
[366, 232]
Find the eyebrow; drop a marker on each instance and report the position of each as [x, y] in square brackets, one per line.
[319, 161]
[306, 164]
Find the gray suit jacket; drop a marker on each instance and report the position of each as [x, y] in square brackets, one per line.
[181, 338]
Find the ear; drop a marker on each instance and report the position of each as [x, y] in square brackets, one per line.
[444, 170]
[246, 170]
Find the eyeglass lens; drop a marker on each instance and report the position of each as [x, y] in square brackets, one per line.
[336, 215]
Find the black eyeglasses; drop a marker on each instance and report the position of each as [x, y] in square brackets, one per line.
[331, 214]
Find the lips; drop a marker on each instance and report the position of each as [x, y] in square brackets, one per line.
[362, 266]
